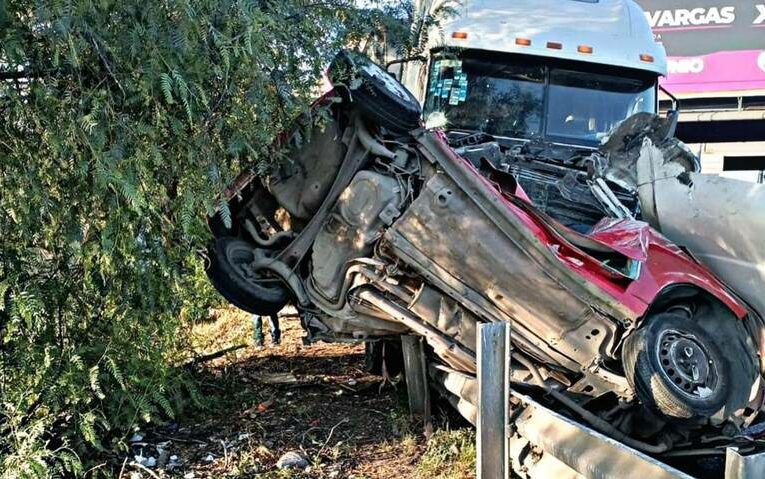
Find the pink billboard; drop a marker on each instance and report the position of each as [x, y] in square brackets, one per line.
[716, 72]
[713, 46]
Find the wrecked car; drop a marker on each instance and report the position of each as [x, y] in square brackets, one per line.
[721, 221]
[378, 227]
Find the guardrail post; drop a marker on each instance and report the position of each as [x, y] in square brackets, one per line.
[738, 466]
[493, 400]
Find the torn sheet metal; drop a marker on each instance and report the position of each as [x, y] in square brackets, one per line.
[623, 147]
[720, 220]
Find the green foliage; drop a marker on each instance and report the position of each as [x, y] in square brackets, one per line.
[399, 29]
[121, 122]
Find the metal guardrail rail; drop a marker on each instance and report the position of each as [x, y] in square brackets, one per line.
[564, 448]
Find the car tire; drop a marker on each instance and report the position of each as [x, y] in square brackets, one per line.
[676, 368]
[226, 257]
[378, 96]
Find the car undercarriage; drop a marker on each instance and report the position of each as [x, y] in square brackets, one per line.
[377, 228]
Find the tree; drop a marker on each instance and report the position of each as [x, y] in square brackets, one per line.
[401, 29]
[122, 121]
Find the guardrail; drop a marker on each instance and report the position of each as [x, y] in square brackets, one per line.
[560, 447]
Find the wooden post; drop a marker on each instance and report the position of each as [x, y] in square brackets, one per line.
[415, 369]
[493, 400]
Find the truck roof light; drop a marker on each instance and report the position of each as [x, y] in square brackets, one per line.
[646, 58]
[524, 42]
[555, 45]
[460, 35]
[584, 49]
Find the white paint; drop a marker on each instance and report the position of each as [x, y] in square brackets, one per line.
[617, 30]
[749, 176]
[761, 61]
[682, 17]
[685, 65]
[720, 220]
[761, 11]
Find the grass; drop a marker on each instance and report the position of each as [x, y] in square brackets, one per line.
[301, 418]
[449, 455]
[226, 327]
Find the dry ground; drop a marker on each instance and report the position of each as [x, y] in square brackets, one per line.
[316, 400]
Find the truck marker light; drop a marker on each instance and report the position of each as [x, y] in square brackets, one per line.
[646, 58]
[460, 35]
[555, 45]
[524, 42]
[584, 49]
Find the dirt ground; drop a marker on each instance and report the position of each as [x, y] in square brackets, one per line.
[317, 401]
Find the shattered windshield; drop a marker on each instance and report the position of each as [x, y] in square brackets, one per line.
[479, 95]
[515, 96]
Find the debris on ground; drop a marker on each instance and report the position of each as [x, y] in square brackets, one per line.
[278, 378]
[149, 461]
[292, 460]
[336, 421]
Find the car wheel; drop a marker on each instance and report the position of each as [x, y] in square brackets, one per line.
[229, 272]
[675, 367]
[378, 96]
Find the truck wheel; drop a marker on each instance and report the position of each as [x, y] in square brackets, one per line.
[675, 367]
[229, 273]
[378, 96]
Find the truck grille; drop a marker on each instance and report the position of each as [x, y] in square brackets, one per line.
[563, 193]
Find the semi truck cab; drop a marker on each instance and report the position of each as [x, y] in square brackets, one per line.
[561, 71]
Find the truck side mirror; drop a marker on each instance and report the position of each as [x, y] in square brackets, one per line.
[401, 61]
[672, 118]
[673, 114]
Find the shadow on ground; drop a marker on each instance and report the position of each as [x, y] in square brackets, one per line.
[315, 400]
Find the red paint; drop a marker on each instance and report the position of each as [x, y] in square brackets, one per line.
[687, 29]
[663, 264]
[629, 238]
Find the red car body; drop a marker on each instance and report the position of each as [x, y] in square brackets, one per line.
[664, 264]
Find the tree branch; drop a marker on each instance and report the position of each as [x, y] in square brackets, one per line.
[19, 75]
[104, 60]
[209, 357]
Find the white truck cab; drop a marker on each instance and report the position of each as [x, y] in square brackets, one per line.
[562, 71]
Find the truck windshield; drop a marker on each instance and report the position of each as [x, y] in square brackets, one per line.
[515, 97]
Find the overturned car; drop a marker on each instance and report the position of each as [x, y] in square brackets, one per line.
[378, 227]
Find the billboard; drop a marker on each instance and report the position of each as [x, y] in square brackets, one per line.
[713, 46]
